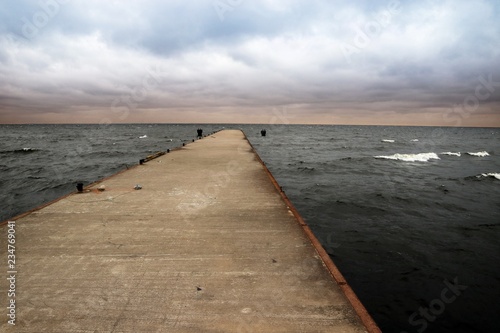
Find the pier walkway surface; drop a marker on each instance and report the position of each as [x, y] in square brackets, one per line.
[209, 244]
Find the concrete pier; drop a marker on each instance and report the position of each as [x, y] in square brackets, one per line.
[209, 244]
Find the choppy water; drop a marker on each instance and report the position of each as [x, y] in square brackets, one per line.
[407, 213]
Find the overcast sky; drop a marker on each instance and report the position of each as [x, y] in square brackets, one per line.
[425, 62]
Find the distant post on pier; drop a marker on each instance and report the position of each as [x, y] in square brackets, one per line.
[263, 132]
[200, 132]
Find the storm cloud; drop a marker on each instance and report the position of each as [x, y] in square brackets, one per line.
[241, 61]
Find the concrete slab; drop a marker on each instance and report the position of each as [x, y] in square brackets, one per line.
[207, 245]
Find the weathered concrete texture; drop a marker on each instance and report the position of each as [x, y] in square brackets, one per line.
[207, 245]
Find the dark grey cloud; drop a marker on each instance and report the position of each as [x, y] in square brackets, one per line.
[316, 58]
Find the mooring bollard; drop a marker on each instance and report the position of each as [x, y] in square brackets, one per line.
[79, 187]
[263, 132]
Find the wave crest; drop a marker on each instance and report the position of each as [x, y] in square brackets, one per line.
[422, 157]
[491, 174]
[449, 153]
[18, 151]
[479, 154]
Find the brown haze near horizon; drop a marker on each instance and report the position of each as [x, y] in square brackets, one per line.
[417, 63]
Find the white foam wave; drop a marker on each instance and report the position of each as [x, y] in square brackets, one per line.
[414, 140]
[388, 140]
[29, 149]
[491, 174]
[451, 153]
[422, 157]
[143, 137]
[479, 154]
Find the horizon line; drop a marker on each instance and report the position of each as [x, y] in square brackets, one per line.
[263, 124]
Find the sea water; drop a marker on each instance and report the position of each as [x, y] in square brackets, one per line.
[410, 215]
